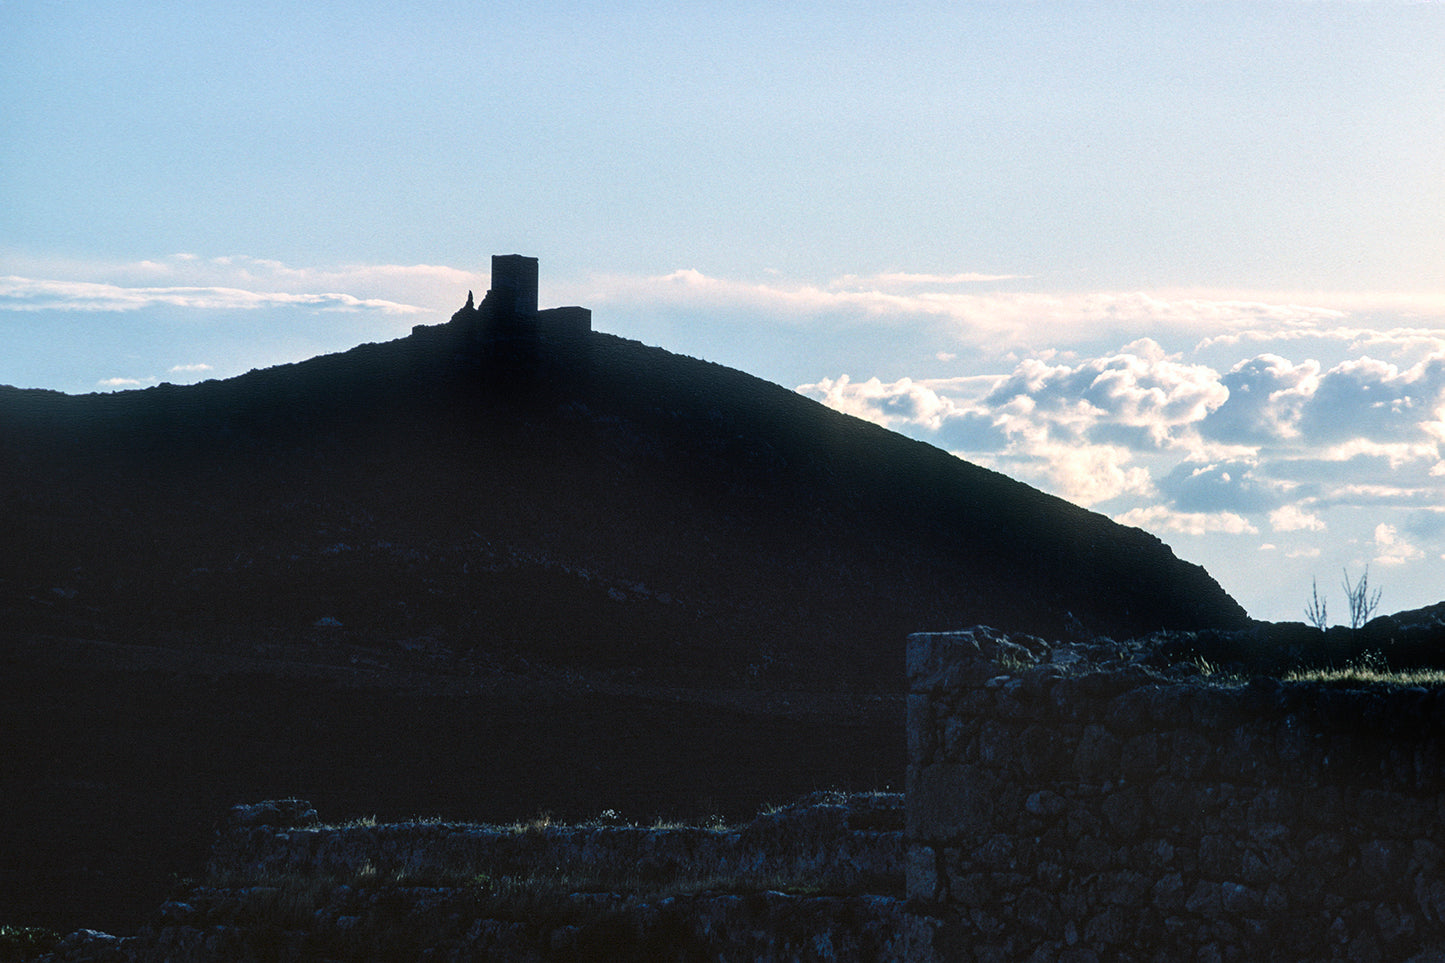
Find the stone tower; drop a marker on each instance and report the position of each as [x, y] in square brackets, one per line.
[514, 284]
[506, 323]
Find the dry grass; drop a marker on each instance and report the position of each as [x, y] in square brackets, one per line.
[19, 943]
[1367, 672]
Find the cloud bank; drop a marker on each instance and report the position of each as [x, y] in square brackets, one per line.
[1003, 319]
[1246, 439]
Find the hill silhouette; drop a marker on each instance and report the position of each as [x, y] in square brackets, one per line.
[481, 577]
[628, 508]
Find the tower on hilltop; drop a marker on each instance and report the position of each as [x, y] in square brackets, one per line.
[507, 322]
[514, 283]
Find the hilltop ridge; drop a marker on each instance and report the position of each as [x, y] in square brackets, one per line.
[665, 508]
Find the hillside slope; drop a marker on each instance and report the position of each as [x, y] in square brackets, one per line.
[612, 506]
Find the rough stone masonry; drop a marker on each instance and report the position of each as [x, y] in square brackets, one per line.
[1076, 803]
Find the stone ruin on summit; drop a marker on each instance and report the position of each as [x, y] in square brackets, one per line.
[508, 320]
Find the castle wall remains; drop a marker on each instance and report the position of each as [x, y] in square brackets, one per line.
[1068, 802]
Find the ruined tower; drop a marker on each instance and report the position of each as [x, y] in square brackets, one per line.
[514, 284]
[506, 323]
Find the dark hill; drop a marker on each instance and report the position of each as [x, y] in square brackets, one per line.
[630, 509]
[431, 577]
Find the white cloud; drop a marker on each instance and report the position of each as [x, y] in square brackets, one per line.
[1391, 549]
[1264, 397]
[901, 402]
[1359, 406]
[1161, 519]
[1376, 400]
[1332, 316]
[1083, 474]
[1168, 442]
[33, 294]
[189, 368]
[232, 282]
[1216, 486]
[1340, 494]
[122, 383]
[1292, 518]
[1139, 396]
[1001, 319]
[1395, 454]
[906, 278]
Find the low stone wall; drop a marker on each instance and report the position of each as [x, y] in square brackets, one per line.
[837, 842]
[819, 880]
[1077, 803]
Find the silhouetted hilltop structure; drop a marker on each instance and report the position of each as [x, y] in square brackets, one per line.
[507, 324]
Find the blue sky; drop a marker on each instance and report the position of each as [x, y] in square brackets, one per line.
[1183, 263]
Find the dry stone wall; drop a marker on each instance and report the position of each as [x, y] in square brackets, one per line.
[818, 881]
[1078, 802]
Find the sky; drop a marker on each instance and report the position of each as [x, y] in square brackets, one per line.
[1182, 263]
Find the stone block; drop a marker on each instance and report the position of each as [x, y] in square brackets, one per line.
[1190, 755]
[1045, 803]
[932, 658]
[1039, 912]
[996, 852]
[1426, 855]
[1240, 900]
[1168, 896]
[1125, 888]
[959, 742]
[1050, 875]
[1124, 813]
[920, 872]
[1093, 854]
[1262, 864]
[1393, 814]
[948, 801]
[1109, 928]
[921, 727]
[1174, 803]
[1098, 754]
[1129, 712]
[1382, 861]
[974, 892]
[996, 744]
[1394, 923]
[1144, 756]
[1206, 900]
[1218, 857]
[918, 938]
[1045, 752]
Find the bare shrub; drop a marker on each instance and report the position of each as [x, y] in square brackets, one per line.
[1315, 612]
[1361, 600]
